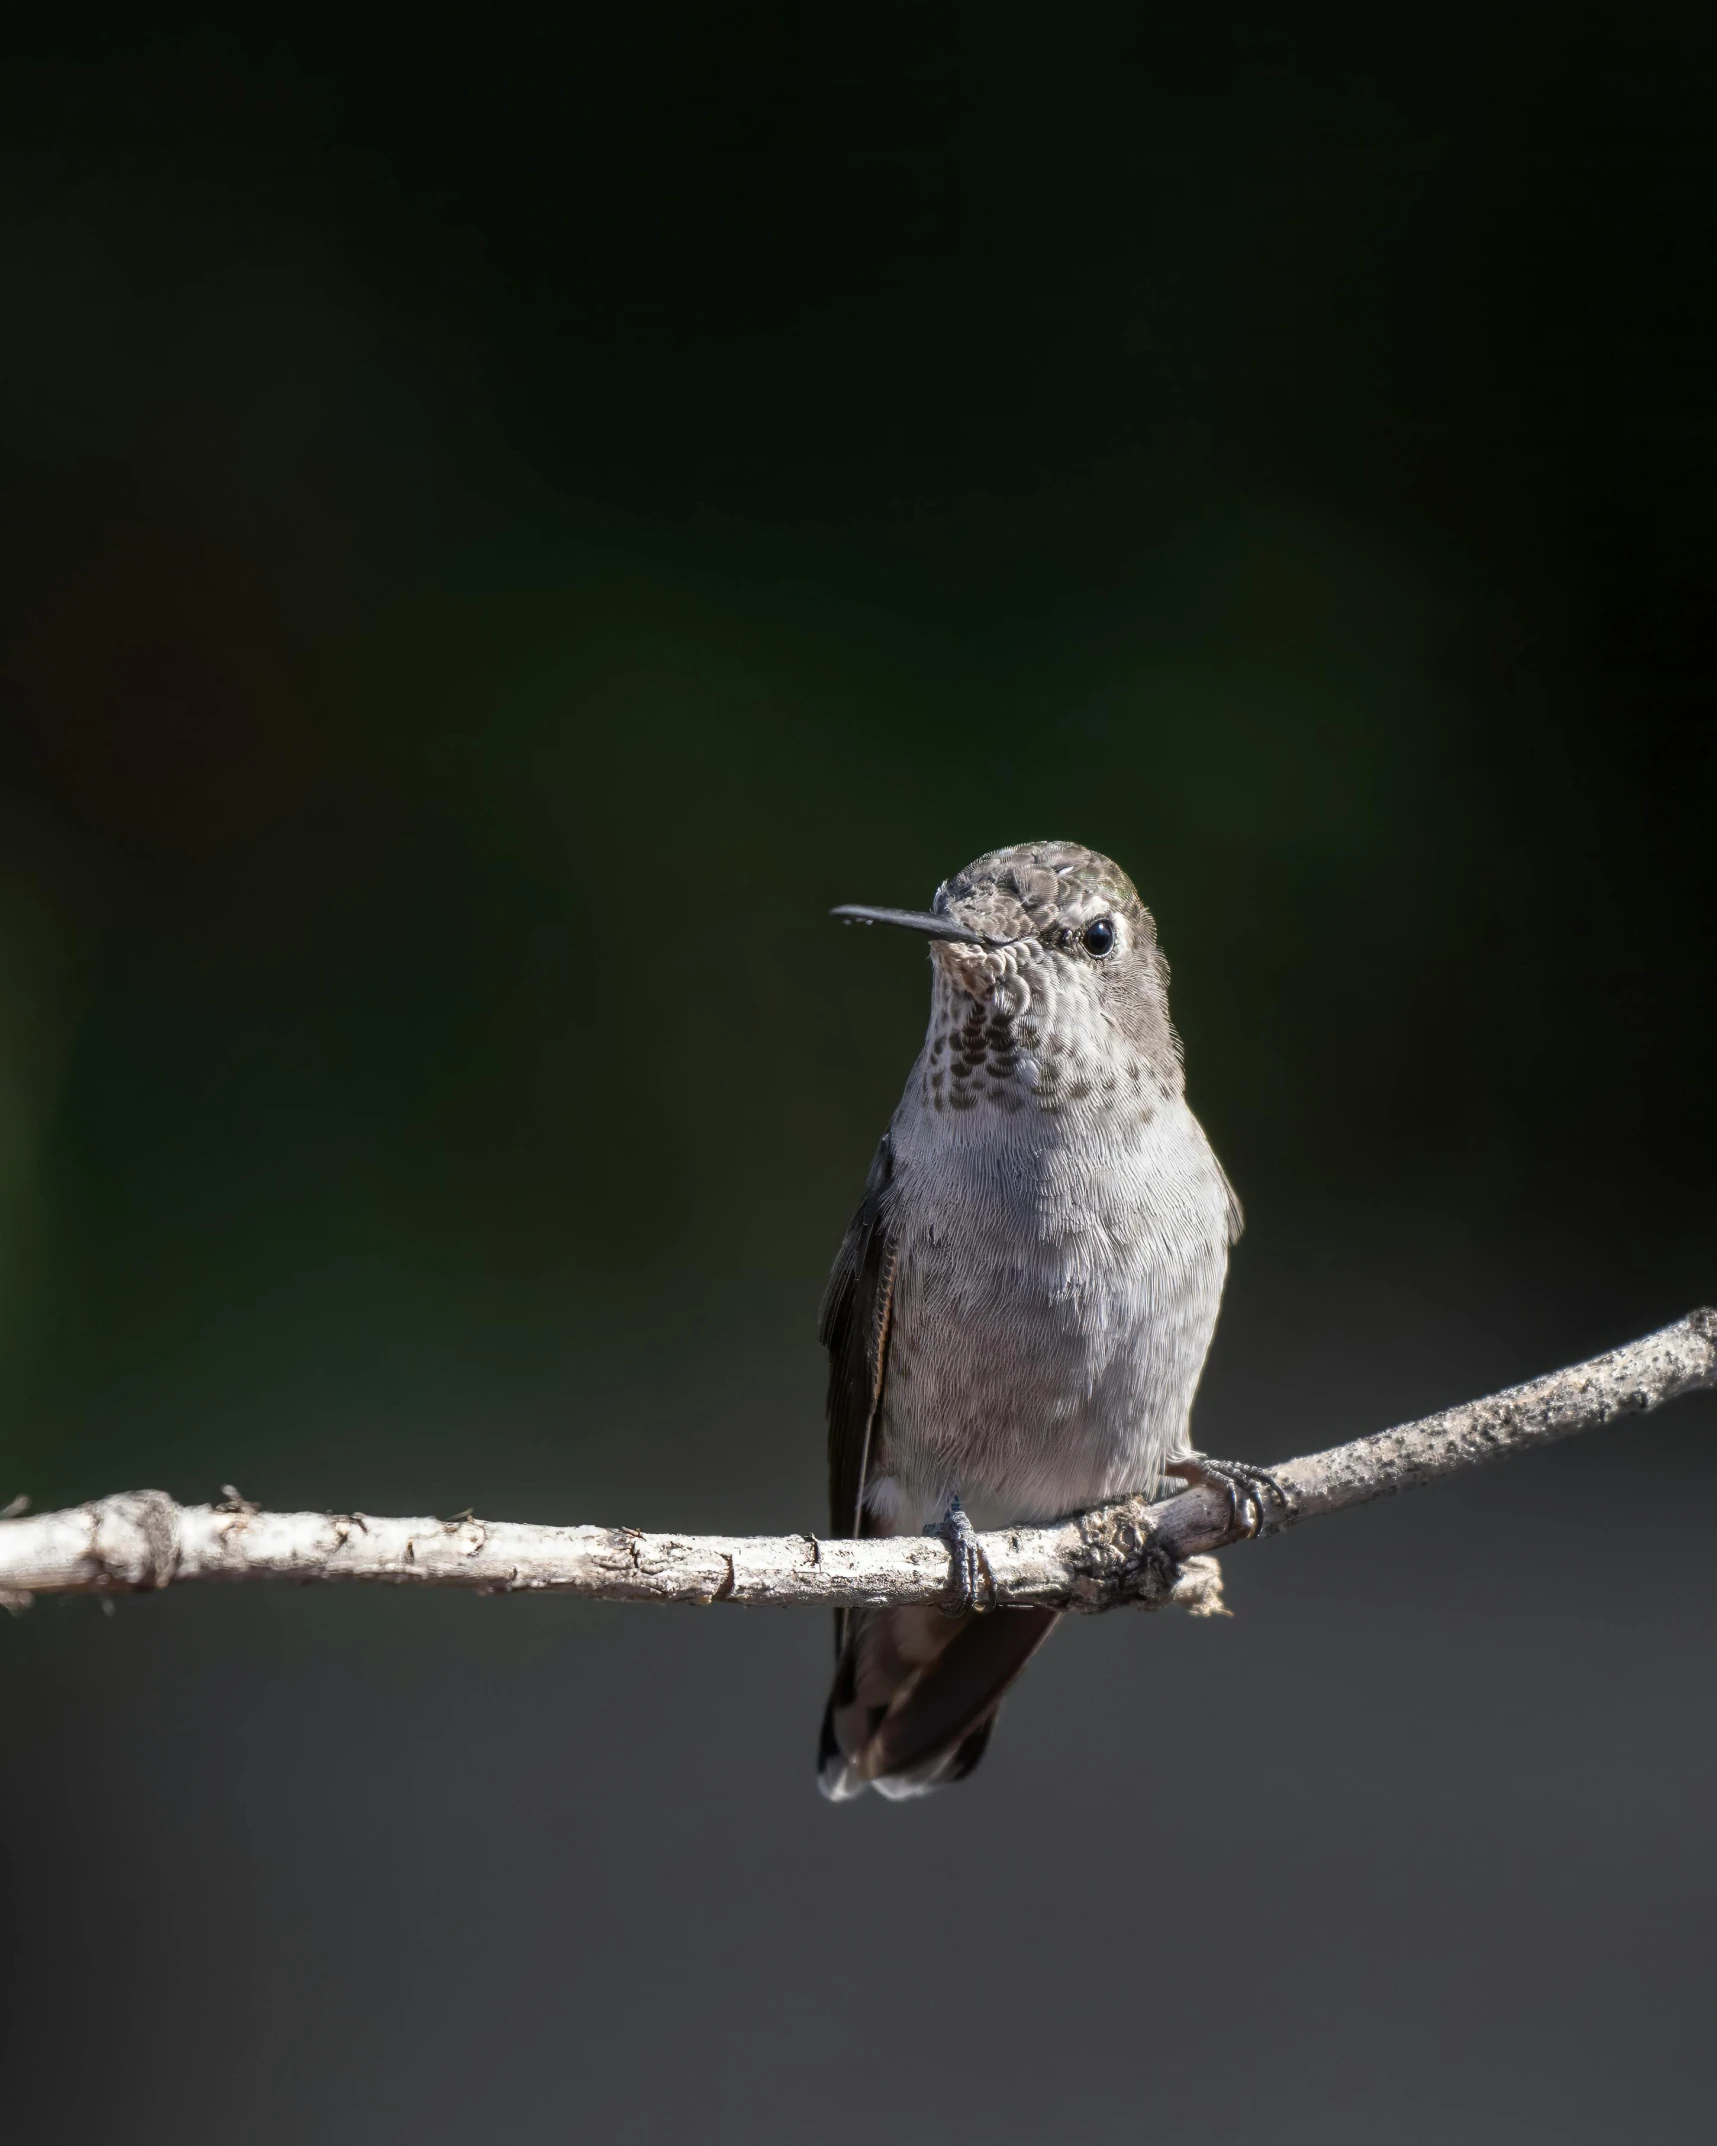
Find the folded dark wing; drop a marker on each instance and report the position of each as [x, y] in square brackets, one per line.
[855, 1321]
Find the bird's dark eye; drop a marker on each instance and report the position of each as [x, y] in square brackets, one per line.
[1099, 937]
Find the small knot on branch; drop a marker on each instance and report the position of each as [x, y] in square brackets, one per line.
[134, 1540]
[1121, 1560]
[1198, 1590]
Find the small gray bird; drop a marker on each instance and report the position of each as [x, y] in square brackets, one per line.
[1020, 1311]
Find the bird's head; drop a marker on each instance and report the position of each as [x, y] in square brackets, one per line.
[1049, 983]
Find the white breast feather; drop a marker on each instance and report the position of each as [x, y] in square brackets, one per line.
[1058, 1287]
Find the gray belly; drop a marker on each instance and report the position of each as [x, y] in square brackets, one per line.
[1052, 1312]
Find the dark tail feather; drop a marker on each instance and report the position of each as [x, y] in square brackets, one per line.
[916, 1693]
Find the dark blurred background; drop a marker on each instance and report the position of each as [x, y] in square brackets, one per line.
[510, 514]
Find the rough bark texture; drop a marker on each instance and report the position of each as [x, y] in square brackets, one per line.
[1128, 1552]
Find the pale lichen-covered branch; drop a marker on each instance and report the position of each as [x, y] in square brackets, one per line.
[1128, 1552]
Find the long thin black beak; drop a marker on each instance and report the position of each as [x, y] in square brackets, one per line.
[924, 920]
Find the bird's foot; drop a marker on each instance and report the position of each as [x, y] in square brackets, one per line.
[1257, 1503]
[971, 1573]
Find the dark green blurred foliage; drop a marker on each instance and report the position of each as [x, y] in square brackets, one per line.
[504, 530]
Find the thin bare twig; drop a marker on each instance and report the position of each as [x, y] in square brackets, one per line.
[1128, 1552]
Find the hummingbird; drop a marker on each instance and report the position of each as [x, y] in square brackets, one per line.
[1019, 1314]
